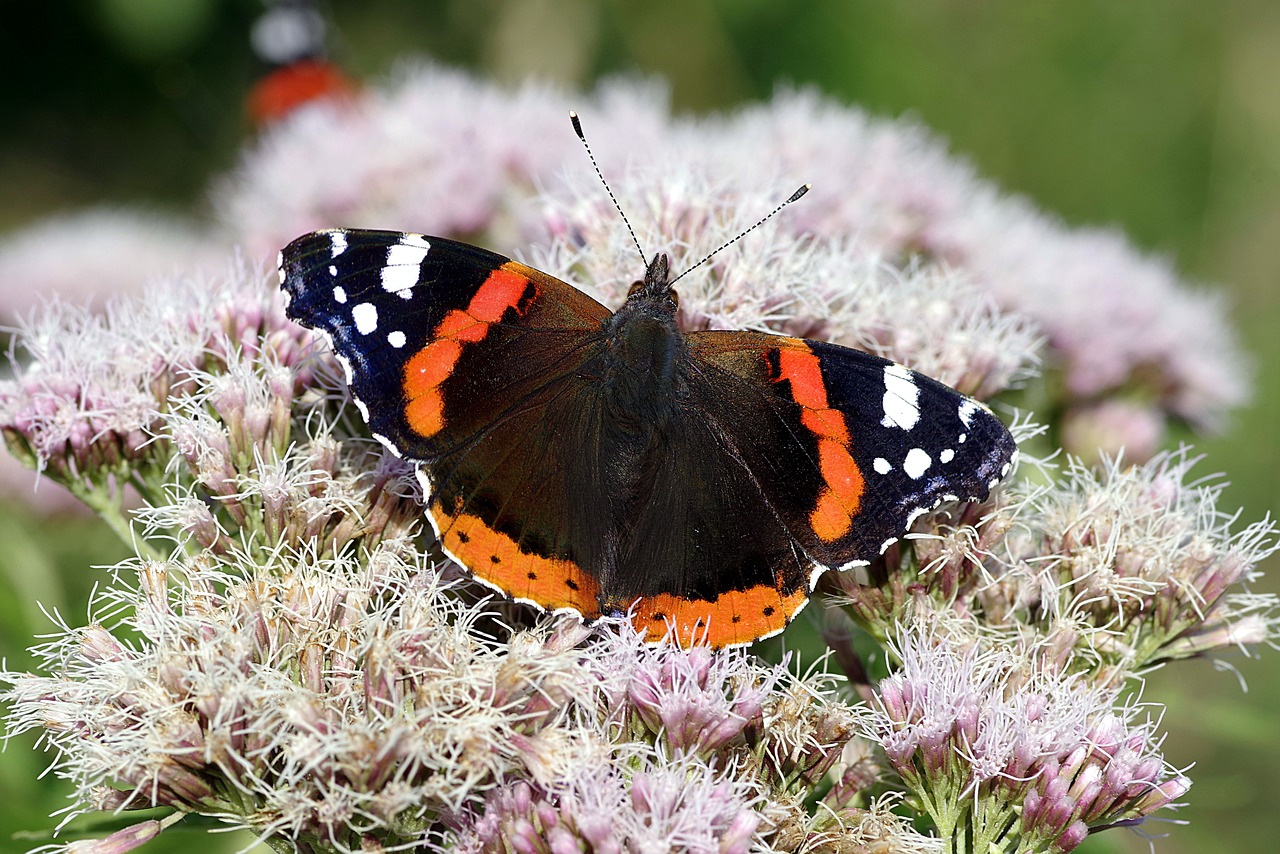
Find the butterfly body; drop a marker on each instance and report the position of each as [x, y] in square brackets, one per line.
[642, 357]
[606, 463]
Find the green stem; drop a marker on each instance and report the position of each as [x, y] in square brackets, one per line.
[102, 501]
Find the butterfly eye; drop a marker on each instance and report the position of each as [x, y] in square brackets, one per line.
[635, 288]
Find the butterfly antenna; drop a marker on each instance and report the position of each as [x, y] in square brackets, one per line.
[577, 128]
[792, 198]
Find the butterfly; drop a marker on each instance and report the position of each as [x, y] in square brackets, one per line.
[607, 463]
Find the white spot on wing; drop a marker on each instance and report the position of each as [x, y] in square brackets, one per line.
[967, 409]
[337, 243]
[917, 462]
[366, 317]
[339, 294]
[333, 270]
[396, 339]
[946, 456]
[280, 265]
[404, 258]
[881, 465]
[901, 398]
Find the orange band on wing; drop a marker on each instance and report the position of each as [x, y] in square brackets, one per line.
[430, 366]
[460, 325]
[843, 477]
[829, 520]
[802, 370]
[425, 413]
[734, 617]
[828, 423]
[497, 559]
[427, 369]
[837, 504]
[501, 291]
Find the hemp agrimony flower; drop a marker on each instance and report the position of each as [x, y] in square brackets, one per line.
[291, 652]
[1006, 751]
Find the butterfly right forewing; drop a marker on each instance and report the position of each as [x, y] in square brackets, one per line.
[850, 448]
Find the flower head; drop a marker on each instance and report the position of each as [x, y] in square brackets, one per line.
[1139, 558]
[991, 735]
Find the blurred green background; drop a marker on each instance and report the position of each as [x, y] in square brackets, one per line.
[1162, 118]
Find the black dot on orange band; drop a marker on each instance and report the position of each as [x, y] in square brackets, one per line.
[768, 612]
[533, 576]
[737, 618]
[464, 536]
[571, 584]
[495, 559]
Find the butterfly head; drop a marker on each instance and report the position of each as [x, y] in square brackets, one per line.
[655, 289]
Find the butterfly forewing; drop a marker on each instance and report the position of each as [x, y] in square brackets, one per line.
[849, 448]
[440, 338]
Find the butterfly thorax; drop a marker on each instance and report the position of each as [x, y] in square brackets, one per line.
[643, 356]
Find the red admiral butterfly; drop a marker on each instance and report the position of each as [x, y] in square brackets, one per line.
[602, 462]
[289, 38]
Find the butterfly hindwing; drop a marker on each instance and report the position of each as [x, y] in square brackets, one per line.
[680, 567]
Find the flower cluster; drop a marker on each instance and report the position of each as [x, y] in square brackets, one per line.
[1004, 748]
[1140, 560]
[333, 701]
[1132, 566]
[290, 653]
[93, 391]
[660, 805]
